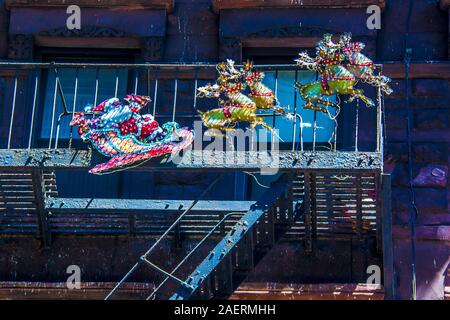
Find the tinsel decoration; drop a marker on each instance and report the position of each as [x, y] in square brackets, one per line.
[117, 129]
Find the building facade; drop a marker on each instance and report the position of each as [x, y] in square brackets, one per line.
[207, 31]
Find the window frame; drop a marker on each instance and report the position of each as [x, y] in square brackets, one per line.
[50, 54]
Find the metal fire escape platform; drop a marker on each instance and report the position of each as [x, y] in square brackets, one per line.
[318, 195]
[72, 159]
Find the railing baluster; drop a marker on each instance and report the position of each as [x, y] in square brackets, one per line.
[96, 87]
[276, 95]
[148, 82]
[315, 122]
[335, 134]
[136, 80]
[13, 110]
[356, 125]
[74, 107]
[117, 84]
[294, 128]
[33, 111]
[58, 126]
[314, 130]
[195, 91]
[175, 97]
[156, 94]
[300, 132]
[53, 113]
[380, 133]
[65, 112]
[195, 95]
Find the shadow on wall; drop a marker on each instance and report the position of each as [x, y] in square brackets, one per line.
[4, 23]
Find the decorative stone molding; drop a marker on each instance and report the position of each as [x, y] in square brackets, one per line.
[231, 47]
[219, 5]
[290, 36]
[85, 32]
[289, 32]
[88, 37]
[445, 4]
[153, 49]
[20, 47]
[168, 5]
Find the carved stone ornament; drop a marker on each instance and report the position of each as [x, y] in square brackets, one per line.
[20, 47]
[153, 49]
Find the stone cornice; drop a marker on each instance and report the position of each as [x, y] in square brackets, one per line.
[129, 4]
[248, 4]
[437, 70]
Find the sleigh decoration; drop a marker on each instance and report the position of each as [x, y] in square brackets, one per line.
[117, 130]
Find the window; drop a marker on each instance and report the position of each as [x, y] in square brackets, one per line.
[108, 81]
[85, 95]
[286, 96]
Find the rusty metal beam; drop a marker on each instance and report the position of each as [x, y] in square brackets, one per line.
[138, 206]
[204, 160]
[282, 160]
[44, 158]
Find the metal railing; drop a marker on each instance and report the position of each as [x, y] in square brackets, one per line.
[26, 92]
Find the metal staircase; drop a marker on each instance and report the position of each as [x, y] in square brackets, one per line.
[22, 199]
[334, 194]
[236, 253]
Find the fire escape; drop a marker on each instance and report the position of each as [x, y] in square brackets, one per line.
[318, 194]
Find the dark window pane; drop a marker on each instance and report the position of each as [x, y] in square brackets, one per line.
[286, 97]
[85, 95]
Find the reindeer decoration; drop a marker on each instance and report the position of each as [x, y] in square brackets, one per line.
[334, 77]
[340, 66]
[361, 66]
[235, 105]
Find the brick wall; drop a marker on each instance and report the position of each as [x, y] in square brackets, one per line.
[430, 139]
